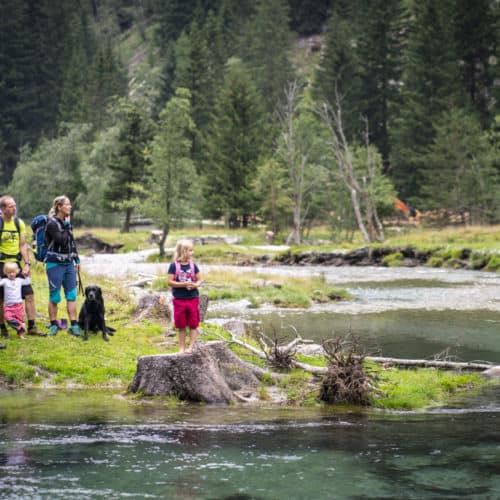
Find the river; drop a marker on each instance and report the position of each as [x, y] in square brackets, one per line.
[81, 444]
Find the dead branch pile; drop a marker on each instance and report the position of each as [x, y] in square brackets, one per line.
[346, 379]
[278, 356]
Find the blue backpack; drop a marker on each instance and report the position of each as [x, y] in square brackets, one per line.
[38, 224]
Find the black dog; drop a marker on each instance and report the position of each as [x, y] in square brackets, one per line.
[91, 315]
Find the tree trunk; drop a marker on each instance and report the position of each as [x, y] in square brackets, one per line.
[212, 374]
[126, 221]
[161, 243]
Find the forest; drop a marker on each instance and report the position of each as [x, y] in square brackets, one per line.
[290, 113]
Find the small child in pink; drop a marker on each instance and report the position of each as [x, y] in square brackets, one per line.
[13, 300]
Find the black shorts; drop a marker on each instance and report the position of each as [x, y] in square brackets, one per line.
[25, 289]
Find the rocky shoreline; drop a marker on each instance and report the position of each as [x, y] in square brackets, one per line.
[464, 258]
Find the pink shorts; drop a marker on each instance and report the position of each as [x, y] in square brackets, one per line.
[186, 313]
[15, 314]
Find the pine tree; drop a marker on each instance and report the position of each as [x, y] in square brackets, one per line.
[339, 73]
[236, 143]
[266, 50]
[129, 163]
[430, 85]
[380, 52]
[476, 35]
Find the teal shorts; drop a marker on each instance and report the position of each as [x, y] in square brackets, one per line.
[61, 275]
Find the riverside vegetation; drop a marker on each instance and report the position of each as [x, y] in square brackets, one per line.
[66, 362]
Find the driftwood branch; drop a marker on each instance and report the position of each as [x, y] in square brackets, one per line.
[425, 363]
[408, 363]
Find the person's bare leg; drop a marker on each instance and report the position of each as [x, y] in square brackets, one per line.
[52, 311]
[192, 339]
[71, 306]
[29, 305]
[182, 340]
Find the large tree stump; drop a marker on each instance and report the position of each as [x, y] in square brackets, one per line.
[211, 374]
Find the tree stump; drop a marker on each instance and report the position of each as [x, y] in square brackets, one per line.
[211, 374]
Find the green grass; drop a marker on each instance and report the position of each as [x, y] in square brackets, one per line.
[417, 389]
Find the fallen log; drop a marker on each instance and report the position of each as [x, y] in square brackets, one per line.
[408, 363]
[426, 363]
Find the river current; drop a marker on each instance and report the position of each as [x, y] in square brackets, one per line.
[81, 444]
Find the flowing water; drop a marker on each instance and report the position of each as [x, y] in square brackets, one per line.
[96, 445]
[77, 444]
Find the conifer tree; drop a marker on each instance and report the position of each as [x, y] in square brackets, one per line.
[266, 50]
[129, 163]
[431, 85]
[476, 33]
[339, 73]
[236, 142]
[380, 53]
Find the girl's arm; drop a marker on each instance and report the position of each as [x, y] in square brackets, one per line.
[175, 284]
[198, 281]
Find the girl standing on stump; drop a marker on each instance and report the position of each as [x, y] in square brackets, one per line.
[184, 280]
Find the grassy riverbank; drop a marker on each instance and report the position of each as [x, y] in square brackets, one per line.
[66, 362]
[471, 247]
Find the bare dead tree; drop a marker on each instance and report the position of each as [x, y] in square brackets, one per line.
[294, 161]
[362, 190]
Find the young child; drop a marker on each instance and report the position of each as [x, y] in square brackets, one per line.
[184, 280]
[13, 301]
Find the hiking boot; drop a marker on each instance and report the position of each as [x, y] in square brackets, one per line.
[2, 346]
[53, 330]
[74, 330]
[33, 331]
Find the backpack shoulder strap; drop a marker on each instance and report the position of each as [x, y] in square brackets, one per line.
[16, 222]
[177, 269]
[191, 266]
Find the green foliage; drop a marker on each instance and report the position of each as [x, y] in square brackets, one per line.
[172, 190]
[271, 185]
[54, 168]
[128, 163]
[339, 72]
[234, 146]
[493, 263]
[96, 178]
[431, 87]
[416, 389]
[393, 259]
[301, 150]
[266, 50]
[422, 74]
[460, 173]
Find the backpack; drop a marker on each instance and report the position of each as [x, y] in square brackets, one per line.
[178, 269]
[16, 222]
[38, 224]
